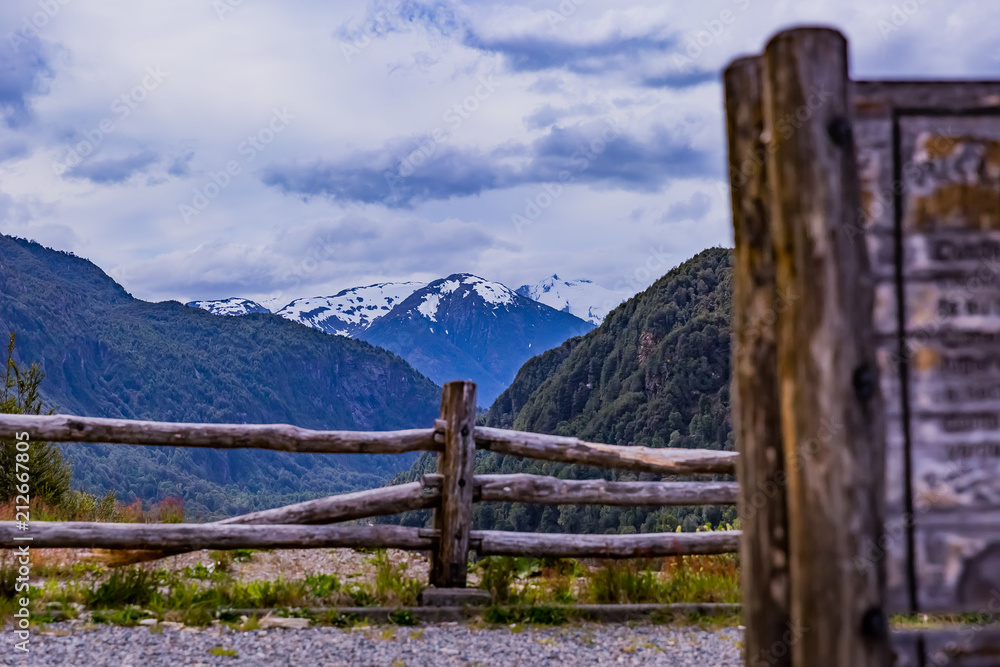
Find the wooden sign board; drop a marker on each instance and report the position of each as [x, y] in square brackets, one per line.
[929, 164]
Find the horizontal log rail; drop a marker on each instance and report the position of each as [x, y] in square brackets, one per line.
[547, 490]
[279, 437]
[562, 449]
[286, 438]
[194, 536]
[182, 536]
[348, 506]
[565, 545]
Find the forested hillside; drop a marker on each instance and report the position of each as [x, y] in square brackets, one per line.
[655, 373]
[107, 354]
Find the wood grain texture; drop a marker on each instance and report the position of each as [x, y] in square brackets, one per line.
[348, 506]
[545, 490]
[279, 437]
[563, 449]
[831, 413]
[562, 545]
[191, 537]
[755, 394]
[456, 463]
[332, 509]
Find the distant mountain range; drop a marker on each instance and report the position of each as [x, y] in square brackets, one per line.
[462, 326]
[107, 354]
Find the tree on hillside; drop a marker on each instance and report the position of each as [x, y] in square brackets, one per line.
[48, 475]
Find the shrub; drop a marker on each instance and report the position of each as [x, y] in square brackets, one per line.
[48, 474]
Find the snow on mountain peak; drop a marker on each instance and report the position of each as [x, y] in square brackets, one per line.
[495, 294]
[351, 310]
[580, 297]
[233, 306]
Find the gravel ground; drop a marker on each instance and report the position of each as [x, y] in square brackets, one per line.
[440, 645]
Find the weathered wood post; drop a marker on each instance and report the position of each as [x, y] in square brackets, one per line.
[756, 404]
[456, 463]
[831, 413]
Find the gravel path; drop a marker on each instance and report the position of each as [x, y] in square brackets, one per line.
[434, 645]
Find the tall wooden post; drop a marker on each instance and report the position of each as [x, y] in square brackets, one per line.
[457, 465]
[756, 404]
[830, 405]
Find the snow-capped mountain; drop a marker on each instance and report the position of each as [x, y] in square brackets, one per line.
[231, 306]
[350, 311]
[465, 327]
[582, 298]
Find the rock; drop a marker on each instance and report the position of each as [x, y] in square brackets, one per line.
[270, 621]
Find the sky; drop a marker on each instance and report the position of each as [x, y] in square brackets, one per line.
[201, 149]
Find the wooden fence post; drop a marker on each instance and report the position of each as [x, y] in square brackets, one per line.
[830, 404]
[456, 463]
[756, 406]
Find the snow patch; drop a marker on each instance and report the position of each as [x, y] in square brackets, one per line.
[429, 307]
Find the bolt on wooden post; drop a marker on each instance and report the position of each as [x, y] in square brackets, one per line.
[456, 463]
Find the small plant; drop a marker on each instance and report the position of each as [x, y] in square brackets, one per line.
[402, 617]
[225, 652]
[127, 617]
[623, 583]
[361, 595]
[545, 615]
[134, 586]
[200, 571]
[322, 585]
[221, 561]
[243, 555]
[497, 575]
[392, 585]
[340, 620]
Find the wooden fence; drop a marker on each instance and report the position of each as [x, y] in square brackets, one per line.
[450, 493]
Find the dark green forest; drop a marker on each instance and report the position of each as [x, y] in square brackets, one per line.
[655, 373]
[106, 354]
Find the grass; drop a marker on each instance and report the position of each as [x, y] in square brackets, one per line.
[527, 581]
[523, 590]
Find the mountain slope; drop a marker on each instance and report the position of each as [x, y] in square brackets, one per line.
[655, 373]
[350, 311]
[107, 354]
[465, 327]
[582, 298]
[656, 365]
[233, 306]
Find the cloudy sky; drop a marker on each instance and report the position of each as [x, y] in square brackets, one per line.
[210, 148]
